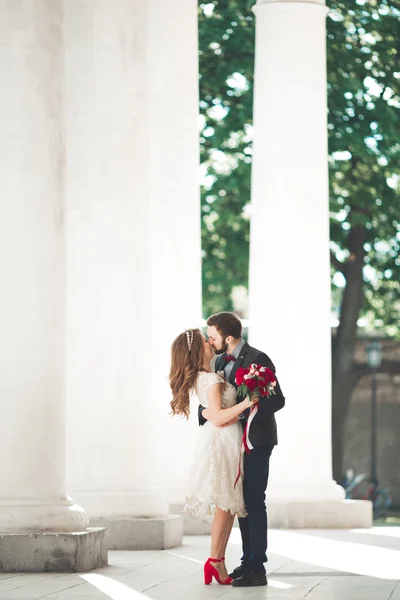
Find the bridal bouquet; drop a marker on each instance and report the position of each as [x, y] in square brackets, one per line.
[251, 380]
[255, 379]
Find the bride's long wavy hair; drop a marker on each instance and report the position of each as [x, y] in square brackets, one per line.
[186, 362]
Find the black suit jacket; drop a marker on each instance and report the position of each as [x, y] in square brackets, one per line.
[263, 428]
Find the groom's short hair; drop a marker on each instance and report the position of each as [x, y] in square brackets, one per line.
[227, 324]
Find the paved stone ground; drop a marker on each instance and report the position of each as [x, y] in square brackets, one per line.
[317, 565]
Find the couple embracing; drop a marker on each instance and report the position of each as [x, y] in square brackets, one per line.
[224, 481]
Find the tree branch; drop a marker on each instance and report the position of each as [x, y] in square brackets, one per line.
[339, 266]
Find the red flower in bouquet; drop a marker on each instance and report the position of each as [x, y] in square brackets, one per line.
[251, 384]
[255, 379]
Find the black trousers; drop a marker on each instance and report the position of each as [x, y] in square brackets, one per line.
[253, 528]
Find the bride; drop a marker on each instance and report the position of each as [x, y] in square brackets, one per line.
[212, 489]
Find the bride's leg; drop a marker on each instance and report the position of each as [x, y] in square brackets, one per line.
[231, 519]
[228, 532]
[219, 528]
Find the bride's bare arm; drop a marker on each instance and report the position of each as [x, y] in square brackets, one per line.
[235, 420]
[206, 415]
[218, 415]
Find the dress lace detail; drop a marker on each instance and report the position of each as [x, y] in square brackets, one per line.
[210, 379]
[216, 459]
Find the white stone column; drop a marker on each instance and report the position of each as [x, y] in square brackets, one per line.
[32, 265]
[133, 253]
[174, 225]
[289, 260]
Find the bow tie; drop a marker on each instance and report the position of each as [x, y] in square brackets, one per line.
[229, 358]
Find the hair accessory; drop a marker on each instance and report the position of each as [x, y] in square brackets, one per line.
[189, 337]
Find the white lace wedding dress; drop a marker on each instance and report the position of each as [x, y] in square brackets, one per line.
[216, 459]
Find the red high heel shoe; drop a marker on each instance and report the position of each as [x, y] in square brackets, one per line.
[210, 572]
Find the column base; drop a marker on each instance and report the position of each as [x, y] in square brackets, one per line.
[53, 552]
[141, 533]
[335, 514]
[63, 516]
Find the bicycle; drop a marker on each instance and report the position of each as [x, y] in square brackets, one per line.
[362, 487]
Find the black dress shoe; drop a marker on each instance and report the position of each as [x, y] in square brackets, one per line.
[239, 571]
[250, 578]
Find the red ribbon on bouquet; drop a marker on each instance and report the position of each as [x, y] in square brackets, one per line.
[246, 445]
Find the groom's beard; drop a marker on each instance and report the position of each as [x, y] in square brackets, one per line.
[224, 348]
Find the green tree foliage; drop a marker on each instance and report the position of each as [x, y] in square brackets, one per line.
[226, 44]
[364, 146]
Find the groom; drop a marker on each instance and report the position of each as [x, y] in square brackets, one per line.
[225, 336]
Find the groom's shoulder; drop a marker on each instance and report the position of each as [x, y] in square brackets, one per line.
[251, 350]
[254, 353]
